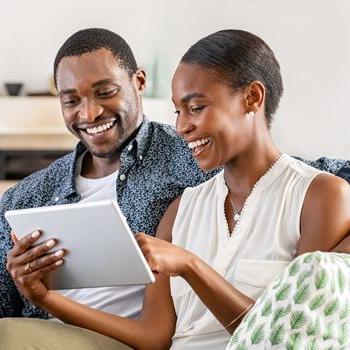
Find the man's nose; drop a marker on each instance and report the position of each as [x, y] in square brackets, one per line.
[90, 110]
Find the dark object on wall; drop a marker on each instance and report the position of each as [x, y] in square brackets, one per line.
[13, 89]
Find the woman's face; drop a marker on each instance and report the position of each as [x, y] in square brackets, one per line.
[211, 117]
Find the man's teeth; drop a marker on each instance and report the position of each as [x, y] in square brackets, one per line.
[197, 143]
[100, 128]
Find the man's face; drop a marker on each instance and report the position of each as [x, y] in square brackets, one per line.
[101, 104]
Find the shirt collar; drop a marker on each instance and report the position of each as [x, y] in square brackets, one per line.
[143, 138]
[68, 187]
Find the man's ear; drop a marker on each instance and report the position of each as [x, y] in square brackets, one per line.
[140, 79]
[255, 96]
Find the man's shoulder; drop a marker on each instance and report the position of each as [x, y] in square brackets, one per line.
[168, 143]
[40, 182]
[172, 152]
[164, 131]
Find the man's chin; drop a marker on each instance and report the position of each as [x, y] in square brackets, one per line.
[103, 153]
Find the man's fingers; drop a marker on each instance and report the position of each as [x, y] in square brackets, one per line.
[23, 244]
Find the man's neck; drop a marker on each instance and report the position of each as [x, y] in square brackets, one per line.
[94, 167]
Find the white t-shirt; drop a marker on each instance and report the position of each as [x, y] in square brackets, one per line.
[124, 300]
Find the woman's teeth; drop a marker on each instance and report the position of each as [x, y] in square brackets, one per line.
[197, 143]
[100, 128]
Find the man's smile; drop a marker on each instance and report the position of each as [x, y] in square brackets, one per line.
[99, 128]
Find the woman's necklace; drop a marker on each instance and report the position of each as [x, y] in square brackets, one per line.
[238, 211]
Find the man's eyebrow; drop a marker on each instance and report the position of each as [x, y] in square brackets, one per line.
[67, 91]
[102, 82]
[190, 96]
[94, 85]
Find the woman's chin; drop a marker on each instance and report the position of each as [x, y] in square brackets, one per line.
[207, 166]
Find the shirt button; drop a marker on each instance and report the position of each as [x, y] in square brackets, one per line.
[57, 199]
[130, 147]
[122, 177]
[140, 157]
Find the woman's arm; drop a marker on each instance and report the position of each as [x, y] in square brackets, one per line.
[325, 217]
[152, 330]
[221, 298]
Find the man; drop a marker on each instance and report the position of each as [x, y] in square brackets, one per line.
[142, 164]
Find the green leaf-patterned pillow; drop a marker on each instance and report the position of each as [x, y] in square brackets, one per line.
[306, 308]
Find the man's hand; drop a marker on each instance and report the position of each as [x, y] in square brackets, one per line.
[29, 265]
[164, 257]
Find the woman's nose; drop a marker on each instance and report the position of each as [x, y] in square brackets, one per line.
[183, 125]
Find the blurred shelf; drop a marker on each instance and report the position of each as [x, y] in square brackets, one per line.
[63, 142]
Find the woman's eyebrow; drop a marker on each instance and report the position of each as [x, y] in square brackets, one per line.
[190, 96]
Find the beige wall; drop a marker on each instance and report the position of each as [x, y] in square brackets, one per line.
[311, 39]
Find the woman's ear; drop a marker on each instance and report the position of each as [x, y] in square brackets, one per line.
[140, 78]
[255, 96]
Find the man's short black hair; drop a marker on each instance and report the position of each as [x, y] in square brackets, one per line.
[92, 39]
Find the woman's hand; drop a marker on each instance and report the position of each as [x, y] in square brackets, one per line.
[164, 257]
[29, 265]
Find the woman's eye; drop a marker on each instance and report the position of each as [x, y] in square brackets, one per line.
[196, 109]
[177, 112]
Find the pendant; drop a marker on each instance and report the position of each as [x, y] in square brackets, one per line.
[236, 217]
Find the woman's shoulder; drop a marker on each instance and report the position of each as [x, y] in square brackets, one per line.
[213, 183]
[300, 167]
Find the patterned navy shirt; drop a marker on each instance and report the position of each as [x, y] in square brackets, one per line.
[155, 168]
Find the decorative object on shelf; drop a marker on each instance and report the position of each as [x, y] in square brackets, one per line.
[13, 89]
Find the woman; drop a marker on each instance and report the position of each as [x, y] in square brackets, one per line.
[233, 234]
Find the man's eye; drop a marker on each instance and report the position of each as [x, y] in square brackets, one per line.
[69, 101]
[107, 93]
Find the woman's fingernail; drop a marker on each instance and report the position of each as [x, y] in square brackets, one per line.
[59, 262]
[50, 243]
[59, 253]
[35, 234]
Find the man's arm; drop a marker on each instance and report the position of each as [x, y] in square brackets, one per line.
[10, 300]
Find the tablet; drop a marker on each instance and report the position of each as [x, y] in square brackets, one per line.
[102, 249]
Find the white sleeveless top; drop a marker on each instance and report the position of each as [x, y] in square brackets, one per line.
[262, 243]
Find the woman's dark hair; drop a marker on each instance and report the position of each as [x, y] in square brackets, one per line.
[93, 39]
[239, 58]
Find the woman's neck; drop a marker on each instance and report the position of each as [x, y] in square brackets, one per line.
[245, 170]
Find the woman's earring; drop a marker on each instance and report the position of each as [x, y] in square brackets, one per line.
[250, 114]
